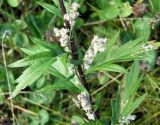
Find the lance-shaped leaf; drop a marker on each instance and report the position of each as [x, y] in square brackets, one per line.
[51, 8]
[106, 67]
[54, 47]
[31, 74]
[132, 105]
[33, 58]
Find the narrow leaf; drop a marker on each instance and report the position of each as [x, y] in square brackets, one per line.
[33, 58]
[51, 8]
[46, 45]
[107, 67]
[31, 74]
[130, 107]
[65, 83]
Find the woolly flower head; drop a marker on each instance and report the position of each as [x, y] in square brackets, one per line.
[85, 102]
[72, 14]
[63, 36]
[127, 120]
[90, 115]
[97, 45]
[75, 6]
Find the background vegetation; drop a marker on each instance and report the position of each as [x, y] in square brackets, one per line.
[25, 18]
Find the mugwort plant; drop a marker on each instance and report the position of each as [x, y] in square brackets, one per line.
[66, 61]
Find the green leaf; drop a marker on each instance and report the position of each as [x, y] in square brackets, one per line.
[142, 28]
[132, 82]
[27, 51]
[127, 52]
[156, 6]
[46, 45]
[44, 117]
[116, 108]
[44, 54]
[64, 84]
[112, 42]
[110, 12]
[131, 106]
[76, 62]
[107, 67]
[78, 120]
[108, 9]
[20, 39]
[1, 97]
[21, 63]
[98, 100]
[129, 49]
[61, 64]
[13, 3]
[56, 2]
[125, 9]
[20, 24]
[34, 50]
[51, 8]
[101, 3]
[34, 25]
[152, 82]
[33, 58]
[114, 119]
[31, 74]
[2, 73]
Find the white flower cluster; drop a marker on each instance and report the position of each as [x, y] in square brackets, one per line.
[64, 38]
[147, 46]
[72, 14]
[97, 45]
[85, 102]
[127, 120]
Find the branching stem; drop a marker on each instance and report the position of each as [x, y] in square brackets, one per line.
[73, 48]
[74, 54]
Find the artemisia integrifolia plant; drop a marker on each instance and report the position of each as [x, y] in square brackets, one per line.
[65, 64]
[65, 38]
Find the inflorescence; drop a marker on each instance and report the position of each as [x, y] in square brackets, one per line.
[97, 45]
[72, 14]
[127, 120]
[63, 36]
[85, 103]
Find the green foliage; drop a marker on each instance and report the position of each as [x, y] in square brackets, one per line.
[29, 76]
[112, 9]
[13, 3]
[45, 85]
[142, 29]
[116, 108]
[127, 52]
[107, 67]
[78, 120]
[64, 83]
[132, 105]
[51, 8]
[44, 116]
[98, 101]
[155, 5]
[125, 102]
